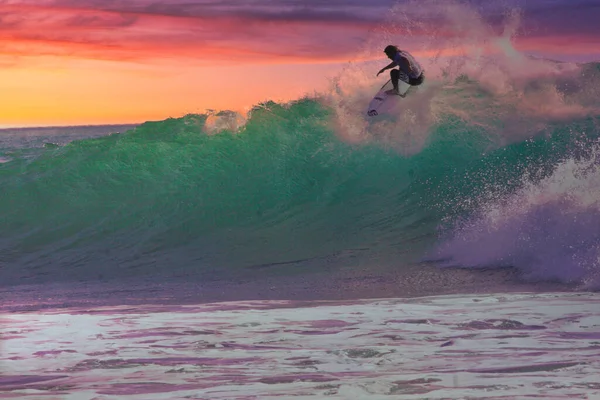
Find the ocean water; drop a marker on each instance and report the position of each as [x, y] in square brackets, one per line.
[447, 250]
[462, 177]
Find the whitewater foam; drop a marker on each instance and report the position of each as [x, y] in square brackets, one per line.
[548, 227]
[494, 347]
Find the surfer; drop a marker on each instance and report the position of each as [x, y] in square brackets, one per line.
[410, 71]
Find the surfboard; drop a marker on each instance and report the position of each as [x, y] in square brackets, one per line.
[383, 102]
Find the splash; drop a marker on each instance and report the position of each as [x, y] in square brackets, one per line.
[217, 122]
[474, 71]
[548, 228]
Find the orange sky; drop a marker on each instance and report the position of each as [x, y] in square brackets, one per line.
[67, 62]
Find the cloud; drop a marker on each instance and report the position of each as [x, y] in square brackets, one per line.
[289, 11]
[151, 30]
[105, 21]
[263, 30]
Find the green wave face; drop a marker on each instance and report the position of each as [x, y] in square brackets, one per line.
[169, 199]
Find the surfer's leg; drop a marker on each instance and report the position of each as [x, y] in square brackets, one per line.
[400, 75]
[395, 75]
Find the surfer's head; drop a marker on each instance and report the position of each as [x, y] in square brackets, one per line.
[391, 51]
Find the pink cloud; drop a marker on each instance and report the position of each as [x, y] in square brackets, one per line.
[212, 31]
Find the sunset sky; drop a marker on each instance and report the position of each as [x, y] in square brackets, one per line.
[71, 62]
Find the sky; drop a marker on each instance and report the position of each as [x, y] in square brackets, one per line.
[77, 62]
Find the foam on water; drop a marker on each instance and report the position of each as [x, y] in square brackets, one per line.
[487, 347]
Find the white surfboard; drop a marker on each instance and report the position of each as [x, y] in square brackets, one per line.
[383, 102]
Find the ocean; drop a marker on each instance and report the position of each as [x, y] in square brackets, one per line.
[470, 190]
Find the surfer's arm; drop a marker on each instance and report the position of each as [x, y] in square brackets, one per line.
[390, 65]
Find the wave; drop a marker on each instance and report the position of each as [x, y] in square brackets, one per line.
[487, 166]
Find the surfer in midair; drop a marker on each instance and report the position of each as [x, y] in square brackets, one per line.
[410, 71]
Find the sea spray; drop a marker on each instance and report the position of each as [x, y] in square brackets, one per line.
[548, 228]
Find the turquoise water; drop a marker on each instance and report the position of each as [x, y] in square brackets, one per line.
[169, 199]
